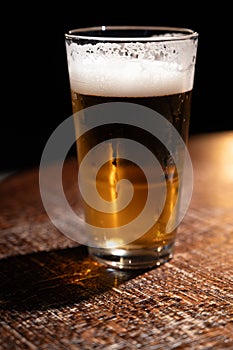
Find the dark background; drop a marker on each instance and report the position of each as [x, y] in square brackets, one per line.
[35, 85]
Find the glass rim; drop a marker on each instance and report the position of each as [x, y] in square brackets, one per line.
[79, 33]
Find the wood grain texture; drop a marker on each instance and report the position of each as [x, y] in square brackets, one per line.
[53, 296]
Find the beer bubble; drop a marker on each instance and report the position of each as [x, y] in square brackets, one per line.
[124, 70]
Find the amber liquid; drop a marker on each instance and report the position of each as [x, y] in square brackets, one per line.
[176, 109]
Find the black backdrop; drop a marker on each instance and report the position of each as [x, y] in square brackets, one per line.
[35, 86]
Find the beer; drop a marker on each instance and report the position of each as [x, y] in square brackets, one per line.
[174, 107]
[178, 107]
[155, 84]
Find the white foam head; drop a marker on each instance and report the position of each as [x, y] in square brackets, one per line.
[130, 70]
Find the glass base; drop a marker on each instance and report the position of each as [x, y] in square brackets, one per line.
[121, 258]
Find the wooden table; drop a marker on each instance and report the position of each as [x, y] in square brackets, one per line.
[53, 296]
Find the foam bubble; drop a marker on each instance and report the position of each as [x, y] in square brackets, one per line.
[127, 73]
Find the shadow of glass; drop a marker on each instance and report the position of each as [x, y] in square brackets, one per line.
[55, 279]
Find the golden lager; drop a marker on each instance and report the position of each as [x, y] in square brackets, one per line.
[98, 75]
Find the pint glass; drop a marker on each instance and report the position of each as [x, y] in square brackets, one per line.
[131, 86]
